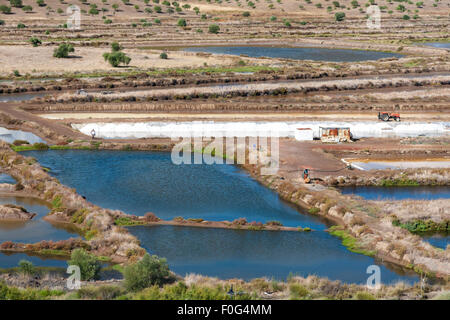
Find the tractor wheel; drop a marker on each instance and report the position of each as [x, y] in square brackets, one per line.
[385, 117]
[397, 119]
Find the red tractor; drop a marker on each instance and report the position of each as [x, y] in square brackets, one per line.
[386, 116]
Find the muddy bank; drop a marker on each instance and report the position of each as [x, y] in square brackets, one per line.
[9, 212]
[239, 224]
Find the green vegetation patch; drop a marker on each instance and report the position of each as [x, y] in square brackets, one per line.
[350, 242]
[422, 226]
[126, 221]
[399, 182]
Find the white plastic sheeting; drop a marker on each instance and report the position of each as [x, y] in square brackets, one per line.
[10, 135]
[383, 165]
[130, 130]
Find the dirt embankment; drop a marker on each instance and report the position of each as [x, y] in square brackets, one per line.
[9, 212]
[97, 224]
[275, 89]
[373, 233]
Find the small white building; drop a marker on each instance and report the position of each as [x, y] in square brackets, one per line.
[304, 134]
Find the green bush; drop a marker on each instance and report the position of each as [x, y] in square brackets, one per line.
[163, 55]
[2, 22]
[26, 267]
[339, 16]
[297, 291]
[40, 146]
[5, 9]
[116, 58]
[362, 295]
[41, 3]
[115, 46]
[149, 271]
[182, 23]
[63, 50]
[35, 42]
[21, 26]
[214, 28]
[27, 8]
[16, 3]
[88, 264]
[246, 14]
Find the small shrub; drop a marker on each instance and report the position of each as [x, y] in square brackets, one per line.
[116, 58]
[35, 42]
[182, 23]
[63, 50]
[163, 55]
[339, 16]
[214, 28]
[362, 295]
[149, 271]
[5, 9]
[88, 264]
[297, 291]
[16, 3]
[26, 267]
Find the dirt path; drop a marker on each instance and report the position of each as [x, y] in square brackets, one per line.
[15, 112]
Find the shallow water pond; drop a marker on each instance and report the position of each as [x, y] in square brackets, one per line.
[226, 253]
[11, 260]
[33, 230]
[21, 96]
[319, 54]
[138, 182]
[445, 45]
[438, 240]
[399, 193]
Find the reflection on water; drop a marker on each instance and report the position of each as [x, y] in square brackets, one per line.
[399, 193]
[320, 54]
[6, 178]
[21, 96]
[445, 45]
[138, 182]
[438, 240]
[10, 260]
[243, 254]
[33, 230]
